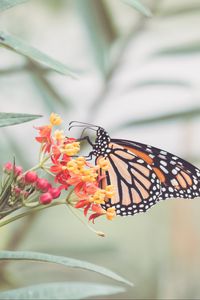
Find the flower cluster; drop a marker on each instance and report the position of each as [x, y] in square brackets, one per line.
[29, 188]
[75, 172]
[72, 176]
[84, 177]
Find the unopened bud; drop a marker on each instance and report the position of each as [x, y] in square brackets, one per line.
[30, 177]
[42, 184]
[45, 198]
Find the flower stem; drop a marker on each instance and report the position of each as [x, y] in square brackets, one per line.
[73, 211]
[97, 232]
[40, 165]
[33, 169]
[34, 209]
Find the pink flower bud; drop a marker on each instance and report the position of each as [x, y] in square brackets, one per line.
[45, 198]
[30, 177]
[18, 170]
[8, 167]
[42, 184]
[55, 192]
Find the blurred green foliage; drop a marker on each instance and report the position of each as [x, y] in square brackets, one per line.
[158, 251]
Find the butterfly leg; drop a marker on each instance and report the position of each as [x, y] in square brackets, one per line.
[89, 156]
[85, 138]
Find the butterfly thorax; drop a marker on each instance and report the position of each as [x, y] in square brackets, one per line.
[101, 145]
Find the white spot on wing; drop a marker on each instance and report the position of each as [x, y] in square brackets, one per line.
[164, 169]
[163, 163]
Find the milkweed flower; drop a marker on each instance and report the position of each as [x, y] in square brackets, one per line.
[59, 157]
[110, 213]
[55, 119]
[71, 149]
[44, 137]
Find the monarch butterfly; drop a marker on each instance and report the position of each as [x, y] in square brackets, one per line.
[141, 174]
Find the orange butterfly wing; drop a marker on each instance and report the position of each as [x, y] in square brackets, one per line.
[137, 187]
[142, 175]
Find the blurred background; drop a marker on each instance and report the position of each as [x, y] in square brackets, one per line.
[139, 78]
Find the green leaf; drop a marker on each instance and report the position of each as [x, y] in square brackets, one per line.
[186, 49]
[6, 4]
[139, 6]
[182, 115]
[167, 81]
[61, 290]
[66, 261]
[32, 53]
[9, 119]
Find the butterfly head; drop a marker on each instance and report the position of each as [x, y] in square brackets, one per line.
[101, 142]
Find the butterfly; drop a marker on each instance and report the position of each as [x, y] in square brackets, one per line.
[141, 174]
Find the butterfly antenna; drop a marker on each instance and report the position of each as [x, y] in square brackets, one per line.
[81, 126]
[83, 123]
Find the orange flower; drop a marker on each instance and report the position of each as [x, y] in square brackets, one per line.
[45, 132]
[45, 137]
[59, 167]
[98, 211]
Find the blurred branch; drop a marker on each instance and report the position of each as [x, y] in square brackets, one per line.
[134, 32]
[13, 243]
[139, 6]
[6, 4]
[12, 70]
[24, 68]
[159, 82]
[185, 49]
[20, 233]
[49, 94]
[16, 149]
[100, 29]
[105, 21]
[181, 9]
[46, 89]
[177, 116]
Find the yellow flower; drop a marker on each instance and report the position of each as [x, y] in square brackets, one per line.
[98, 197]
[58, 135]
[72, 166]
[103, 164]
[80, 161]
[110, 213]
[109, 191]
[72, 148]
[89, 175]
[55, 119]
